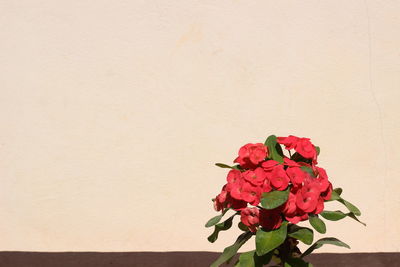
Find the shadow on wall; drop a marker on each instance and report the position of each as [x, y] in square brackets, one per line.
[175, 259]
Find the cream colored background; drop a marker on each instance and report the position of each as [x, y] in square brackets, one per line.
[113, 113]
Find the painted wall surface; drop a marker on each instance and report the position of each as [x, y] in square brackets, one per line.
[113, 113]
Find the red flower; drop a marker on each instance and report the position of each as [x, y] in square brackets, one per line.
[320, 206]
[279, 178]
[305, 148]
[306, 201]
[251, 154]
[309, 185]
[246, 192]
[234, 179]
[255, 177]
[322, 179]
[266, 186]
[289, 142]
[235, 190]
[250, 217]
[290, 163]
[225, 200]
[269, 164]
[297, 217]
[296, 175]
[290, 206]
[220, 200]
[217, 205]
[251, 194]
[327, 194]
[270, 219]
[236, 204]
[312, 186]
[302, 145]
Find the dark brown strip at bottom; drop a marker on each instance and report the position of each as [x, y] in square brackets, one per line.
[175, 259]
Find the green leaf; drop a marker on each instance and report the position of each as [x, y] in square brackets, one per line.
[216, 219]
[279, 150]
[350, 207]
[317, 223]
[297, 157]
[221, 227]
[338, 215]
[267, 241]
[231, 251]
[324, 241]
[225, 166]
[251, 259]
[297, 262]
[318, 150]
[274, 149]
[338, 190]
[351, 215]
[334, 196]
[304, 234]
[243, 227]
[308, 170]
[246, 260]
[333, 215]
[274, 199]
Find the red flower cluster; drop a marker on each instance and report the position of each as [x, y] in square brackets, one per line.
[257, 173]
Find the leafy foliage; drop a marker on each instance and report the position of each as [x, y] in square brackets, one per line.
[267, 241]
[274, 199]
[220, 227]
[324, 241]
[304, 234]
[274, 148]
[317, 223]
[231, 251]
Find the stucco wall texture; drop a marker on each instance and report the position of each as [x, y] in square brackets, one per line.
[114, 112]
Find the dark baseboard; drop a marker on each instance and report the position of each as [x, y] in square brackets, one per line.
[174, 259]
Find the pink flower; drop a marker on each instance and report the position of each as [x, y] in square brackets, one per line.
[250, 218]
[251, 154]
[279, 178]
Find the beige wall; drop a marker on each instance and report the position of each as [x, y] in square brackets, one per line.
[113, 113]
